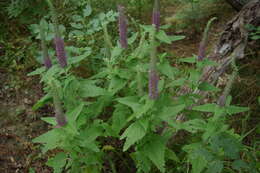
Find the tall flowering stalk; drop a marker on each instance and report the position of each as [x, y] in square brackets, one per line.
[122, 23]
[204, 41]
[156, 14]
[59, 114]
[46, 57]
[153, 74]
[58, 40]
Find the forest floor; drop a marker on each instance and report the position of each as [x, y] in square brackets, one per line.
[19, 124]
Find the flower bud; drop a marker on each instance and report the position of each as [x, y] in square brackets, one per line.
[47, 62]
[122, 22]
[153, 84]
[156, 14]
[60, 51]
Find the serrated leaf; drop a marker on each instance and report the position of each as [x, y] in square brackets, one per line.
[171, 111]
[154, 149]
[134, 133]
[144, 108]
[116, 52]
[215, 167]
[163, 37]
[57, 162]
[239, 164]
[206, 107]
[116, 84]
[194, 125]
[198, 164]
[167, 70]
[91, 90]
[50, 139]
[119, 117]
[131, 101]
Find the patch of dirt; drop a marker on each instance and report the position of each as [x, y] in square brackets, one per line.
[19, 124]
[189, 46]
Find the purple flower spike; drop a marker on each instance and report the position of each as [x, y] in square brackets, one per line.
[122, 26]
[47, 62]
[60, 51]
[156, 14]
[201, 53]
[153, 84]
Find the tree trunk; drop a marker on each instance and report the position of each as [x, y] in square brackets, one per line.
[234, 40]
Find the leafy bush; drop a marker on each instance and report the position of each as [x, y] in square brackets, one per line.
[112, 104]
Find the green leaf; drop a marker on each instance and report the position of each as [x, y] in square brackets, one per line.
[77, 18]
[50, 120]
[188, 60]
[87, 11]
[198, 164]
[169, 154]
[163, 37]
[116, 52]
[143, 163]
[77, 59]
[194, 125]
[76, 25]
[171, 111]
[144, 108]
[236, 109]
[198, 156]
[91, 90]
[119, 117]
[215, 167]
[50, 139]
[116, 84]
[239, 164]
[229, 144]
[37, 71]
[167, 70]
[31, 170]
[74, 114]
[133, 38]
[40, 103]
[176, 37]
[178, 82]
[131, 101]
[154, 149]
[58, 162]
[206, 107]
[204, 86]
[134, 133]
